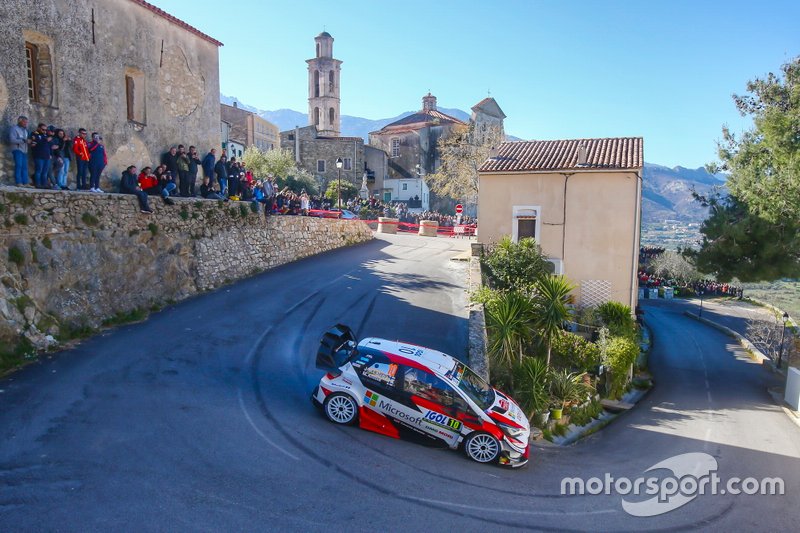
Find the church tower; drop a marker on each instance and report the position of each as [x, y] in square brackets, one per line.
[323, 88]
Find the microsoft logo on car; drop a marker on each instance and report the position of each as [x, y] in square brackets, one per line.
[371, 398]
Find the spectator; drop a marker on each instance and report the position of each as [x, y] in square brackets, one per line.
[165, 179]
[19, 141]
[232, 171]
[170, 160]
[81, 150]
[129, 184]
[42, 145]
[183, 171]
[65, 155]
[194, 165]
[151, 186]
[97, 161]
[220, 169]
[208, 165]
[207, 190]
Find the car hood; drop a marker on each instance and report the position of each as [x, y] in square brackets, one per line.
[504, 409]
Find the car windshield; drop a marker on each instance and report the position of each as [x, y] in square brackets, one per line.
[476, 388]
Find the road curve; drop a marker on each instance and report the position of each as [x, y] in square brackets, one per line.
[199, 419]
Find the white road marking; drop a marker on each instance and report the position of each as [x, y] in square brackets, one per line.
[512, 511]
[260, 434]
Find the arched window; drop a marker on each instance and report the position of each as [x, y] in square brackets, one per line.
[316, 116]
[316, 83]
[317, 49]
[330, 81]
[331, 115]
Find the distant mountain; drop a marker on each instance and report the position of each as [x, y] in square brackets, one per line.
[667, 193]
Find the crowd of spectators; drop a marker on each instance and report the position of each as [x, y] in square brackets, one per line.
[708, 287]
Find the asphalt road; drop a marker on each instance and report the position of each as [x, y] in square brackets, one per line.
[199, 420]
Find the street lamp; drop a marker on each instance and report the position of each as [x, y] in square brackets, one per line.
[783, 333]
[339, 185]
[700, 313]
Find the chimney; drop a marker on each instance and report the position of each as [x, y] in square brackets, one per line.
[236, 104]
[429, 102]
[582, 156]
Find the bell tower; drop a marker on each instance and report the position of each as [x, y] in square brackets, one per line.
[323, 88]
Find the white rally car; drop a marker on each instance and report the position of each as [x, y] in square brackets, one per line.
[394, 388]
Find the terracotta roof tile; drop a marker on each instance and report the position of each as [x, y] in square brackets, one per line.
[604, 154]
[420, 119]
[176, 21]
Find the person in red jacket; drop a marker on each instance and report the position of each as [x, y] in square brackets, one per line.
[81, 158]
[151, 185]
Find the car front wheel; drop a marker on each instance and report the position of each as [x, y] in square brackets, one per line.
[341, 408]
[482, 447]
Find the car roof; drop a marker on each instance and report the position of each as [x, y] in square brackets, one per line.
[433, 360]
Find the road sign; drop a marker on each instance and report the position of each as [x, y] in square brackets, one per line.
[459, 208]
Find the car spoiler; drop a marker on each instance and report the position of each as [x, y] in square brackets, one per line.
[335, 348]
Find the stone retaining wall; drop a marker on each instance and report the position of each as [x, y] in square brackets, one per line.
[76, 259]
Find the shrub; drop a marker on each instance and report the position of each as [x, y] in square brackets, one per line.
[243, 210]
[21, 219]
[254, 207]
[566, 387]
[508, 324]
[531, 377]
[617, 318]
[153, 227]
[581, 416]
[514, 266]
[183, 213]
[620, 355]
[89, 219]
[16, 256]
[573, 351]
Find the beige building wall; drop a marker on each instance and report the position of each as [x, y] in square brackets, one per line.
[594, 234]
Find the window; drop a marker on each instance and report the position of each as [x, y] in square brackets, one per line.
[317, 49]
[425, 386]
[376, 371]
[134, 95]
[316, 116]
[331, 114]
[291, 136]
[525, 222]
[320, 165]
[347, 163]
[395, 147]
[32, 68]
[330, 81]
[316, 83]
[405, 186]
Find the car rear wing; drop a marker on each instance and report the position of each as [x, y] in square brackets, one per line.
[335, 348]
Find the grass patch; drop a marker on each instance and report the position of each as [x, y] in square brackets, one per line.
[2, 208]
[89, 219]
[784, 294]
[153, 227]
[16, 354]
[184, 214]
[197, 204]
[135, 315]
[243, 211]
[70, 332]
[195, 215]
[21, 303]
[20, 199]
[21, 219]
[47, 243]
[16, 256]
[254, 207]
[232, 212]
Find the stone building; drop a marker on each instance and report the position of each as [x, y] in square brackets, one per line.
[249, 129]
[323, 88]
[139, 76]
[487, 122]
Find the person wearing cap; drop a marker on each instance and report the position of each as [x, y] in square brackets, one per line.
[42, 145]
[18, 139]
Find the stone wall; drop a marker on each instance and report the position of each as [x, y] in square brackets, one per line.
[313, 148]
[83, 83]
[70, 260]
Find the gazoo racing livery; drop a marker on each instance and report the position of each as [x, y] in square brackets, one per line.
[396, 388]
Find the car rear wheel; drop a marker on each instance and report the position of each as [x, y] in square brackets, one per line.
[482, 447]
[341, 408]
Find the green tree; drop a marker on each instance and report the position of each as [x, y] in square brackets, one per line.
[298, 181]
[509, 321]
[674, 265]
[348, 190]
[752, 234]
[278, 163]
[551, 310]
[515, 265]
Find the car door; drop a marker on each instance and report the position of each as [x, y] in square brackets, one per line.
[439, 406]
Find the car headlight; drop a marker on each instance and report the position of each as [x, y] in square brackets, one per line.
[514, 433]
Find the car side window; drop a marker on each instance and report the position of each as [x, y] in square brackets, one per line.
[425, 385]
[376, 371]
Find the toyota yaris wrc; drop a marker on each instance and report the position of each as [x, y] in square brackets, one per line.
[394, 388]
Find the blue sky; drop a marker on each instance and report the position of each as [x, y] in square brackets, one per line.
[662, 70]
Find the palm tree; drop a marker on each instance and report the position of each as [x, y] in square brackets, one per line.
[551, 299]
[509, 320]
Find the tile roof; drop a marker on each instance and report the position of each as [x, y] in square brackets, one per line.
[602, 154]
[176, 21]
[422, 118]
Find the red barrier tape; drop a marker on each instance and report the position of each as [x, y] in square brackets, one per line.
[448, 231]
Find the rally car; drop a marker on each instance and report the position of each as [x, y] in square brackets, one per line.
[396, 388]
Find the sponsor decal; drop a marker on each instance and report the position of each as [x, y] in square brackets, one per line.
[503, 404]
[382, 372]
[370, 398]
[443, 420]
[397, 413]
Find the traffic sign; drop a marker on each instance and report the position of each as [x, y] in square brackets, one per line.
[459, 208]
